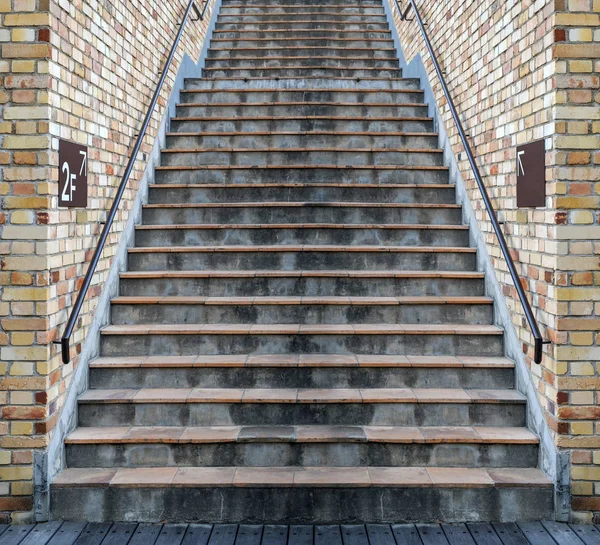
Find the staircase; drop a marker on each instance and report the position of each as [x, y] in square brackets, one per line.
[302, 334]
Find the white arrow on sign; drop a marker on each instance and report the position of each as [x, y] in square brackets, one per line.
[522, 152]
[84, 162]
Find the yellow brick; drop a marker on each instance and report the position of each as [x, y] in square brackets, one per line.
[31, 353]
[21, 368]
[580, 35]
[582, 398]
[5, 127]
[596, 457]
[4, 457]
[582, 338]
[21, 488]
[27, 19]
[23, 66]
[22, 217]
[15, 473]
[581, 66]
[578, 142]
[26, 142]
[582, 368]
[585, 473]
[577, 19]
[582, 488]
[22, 339]
[582, 428]
[27, 294]
[21, 428]
[581, 217]
[23, 35]
[26, 112]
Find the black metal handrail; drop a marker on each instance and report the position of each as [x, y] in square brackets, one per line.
[65, 339]
[533, 325]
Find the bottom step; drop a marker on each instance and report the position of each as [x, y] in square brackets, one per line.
[315, 495]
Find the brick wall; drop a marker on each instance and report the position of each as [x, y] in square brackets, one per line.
[83, 70]
[523, 71]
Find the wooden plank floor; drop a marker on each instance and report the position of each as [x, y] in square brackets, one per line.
[129, 533]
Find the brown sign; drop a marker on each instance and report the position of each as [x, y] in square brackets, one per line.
[72, 174]
[531, 175]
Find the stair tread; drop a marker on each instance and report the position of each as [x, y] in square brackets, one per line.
[303, 477]
[300, 226]
[288, 185]
[301, 300]
[302, 395]
[304, 90]
[302, 360]
[302, 133]
[301, 150]
[301, 204]
[303, 248]
[176, 168]
[295, 117]
[301, 434]
[302, 273]
[298, 103]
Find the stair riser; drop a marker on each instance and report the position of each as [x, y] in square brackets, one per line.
[309, 287]
[292, 63]
[187, 345]
[303, 455]
[160, 261]
[313, 24]
[301, 377]
[327, 15]
[301, 175]
[271, 95]
[408, 195]
[301, 314]
[200, 237]
[312, 214]
[281, 81]
[274, 414]
[306, 505]
[265, 52]
[227, 4]
[315, 34]
[387, 73]
[302, 141]
[279, 110]
[302, 125]
[337, 157]
[305, 42]
[227, 11]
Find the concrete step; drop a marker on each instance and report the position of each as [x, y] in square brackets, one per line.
[301, 34]
[250, 157]
[309, 15]
[301, 283]
[226, 174]
[302, 72]
[340, 49]
[306, 24]
[303, 495]
[240, 193]
[311, 81]
[301, 124]
[419, 140]
[302, 42]
[130, 310]
[346, 96]
[237, 234]
[301, 446]
[292, 406]
[301, 370]
[384, 339]
[300, 212]
[292, 257]
[301, 9]
[304, 109]
[294, 62]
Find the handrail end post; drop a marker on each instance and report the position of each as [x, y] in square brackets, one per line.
[65, 347]
[537, 355]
